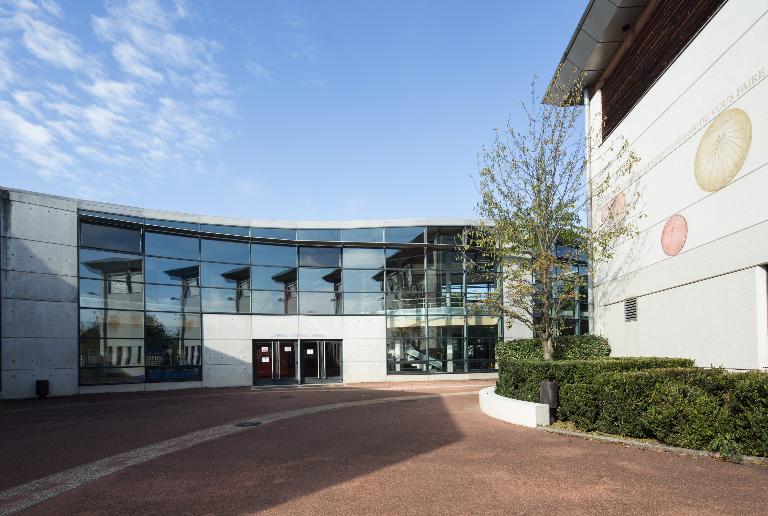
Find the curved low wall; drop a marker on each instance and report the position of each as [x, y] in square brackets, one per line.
[525, 413]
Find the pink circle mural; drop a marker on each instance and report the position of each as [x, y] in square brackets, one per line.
[674, 234]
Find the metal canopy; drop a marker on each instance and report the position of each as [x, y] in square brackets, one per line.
[602, 29]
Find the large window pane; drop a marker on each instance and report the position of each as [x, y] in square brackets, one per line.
[445, 288]
[109, 265]
[446, 355]
[276, 233]
[224, 230]
[172, 352]
[358, 280]
[110, 237]
[274, 278]
[111, 375]
[225, 275]
[172, 272]
[405, 258]
[111, 324]
[362, 258]
[225, 300]
[406, 302]
[319, 235]
[194, 226]
[445, 327]
[172, 246]
[407, 355]
[404, 235]
[319, 280]
[445, 259]
[363, 303]
[327, 303]
[224, 251]
[111, 352]
[175, 298]
[406, 280]
[445, 235]
[363, 235]
[277, 255]
[111, 294]
[162, 325]
[320, 256]
[266, 302]
[405, 326]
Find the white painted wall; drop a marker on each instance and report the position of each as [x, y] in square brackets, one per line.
[709, 301]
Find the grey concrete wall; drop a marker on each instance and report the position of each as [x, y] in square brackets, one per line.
[38, 294]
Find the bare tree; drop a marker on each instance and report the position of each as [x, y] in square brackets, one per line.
[535, 200]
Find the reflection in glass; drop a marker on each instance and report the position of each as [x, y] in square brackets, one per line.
[365, 303]
[405, 258]
[319, 235]
[225, 275]
[274, 278]
[319, 280]
[323, 303]
[405, 280]
[445, 235]
[358, 280]
[320, 256]
[111, 375]
[114, 238]
[224, 251]
[109, 265]
[363, 235]
[172, 272]
[404, 235]
[172, 246]
[446, 289]
[276, 233]
[224, 230]
[277, 255]
[111, 294]
[111, 216]
[270, 302]
[407, 354]
[111, 324]
[177, 298]
[445, 259]
[169, 325]
[194, 226]
[173, 352]
[111, 352]
[221, 300]
[363, 258]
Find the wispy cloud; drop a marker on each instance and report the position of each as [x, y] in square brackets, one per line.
[144, 104]
[257, 70]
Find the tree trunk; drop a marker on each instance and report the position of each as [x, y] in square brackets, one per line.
[548, 347]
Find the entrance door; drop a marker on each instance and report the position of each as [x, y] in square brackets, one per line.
[274, 361]
[321, 361]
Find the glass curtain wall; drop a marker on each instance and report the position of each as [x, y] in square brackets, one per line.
[144, 284]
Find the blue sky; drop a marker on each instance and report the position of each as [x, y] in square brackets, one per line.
[308, 110]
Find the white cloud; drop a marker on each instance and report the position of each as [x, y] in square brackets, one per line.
[257, 70]
[152, 113]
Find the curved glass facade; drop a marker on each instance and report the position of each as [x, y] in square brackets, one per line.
[145, 283]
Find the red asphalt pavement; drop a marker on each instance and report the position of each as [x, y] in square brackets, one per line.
[409, 455]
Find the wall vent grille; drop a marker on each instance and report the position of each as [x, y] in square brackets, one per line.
[630, 309]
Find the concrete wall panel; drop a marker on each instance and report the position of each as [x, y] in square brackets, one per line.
[320, 327]
[40, 257]
[22, 318]
[39, 353]
[274, 327]
[38, 287]
[227, 375]
[224, 326]
[43, 224]
[227, 352]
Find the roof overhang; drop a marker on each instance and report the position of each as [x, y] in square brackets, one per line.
[600, 33]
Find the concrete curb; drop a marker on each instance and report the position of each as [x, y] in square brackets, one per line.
[625, 441]
[517, 412]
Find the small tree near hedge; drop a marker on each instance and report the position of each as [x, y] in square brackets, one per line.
[535, 198]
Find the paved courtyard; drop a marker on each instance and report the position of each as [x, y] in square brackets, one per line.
[410, 448]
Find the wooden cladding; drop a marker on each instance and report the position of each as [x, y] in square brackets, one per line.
[669, 29]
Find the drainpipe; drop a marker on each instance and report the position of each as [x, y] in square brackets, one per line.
[588, 172]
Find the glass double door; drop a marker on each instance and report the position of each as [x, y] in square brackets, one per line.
[321, 361]
[293, 361]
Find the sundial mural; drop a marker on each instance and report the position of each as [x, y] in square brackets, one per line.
[723, 149]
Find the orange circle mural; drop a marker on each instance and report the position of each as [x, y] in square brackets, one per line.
[674, 235]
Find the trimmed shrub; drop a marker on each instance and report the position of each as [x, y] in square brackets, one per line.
[520, 379]
[707, 409]
[567, 347]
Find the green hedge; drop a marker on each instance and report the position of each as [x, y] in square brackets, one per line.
[520, 379]
[567, 347]
[708, 409]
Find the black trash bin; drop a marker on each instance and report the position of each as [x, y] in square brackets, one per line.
[42, 389]
[549, 394]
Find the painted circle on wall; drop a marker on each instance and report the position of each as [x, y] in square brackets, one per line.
[723, 149]
[674, 235]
